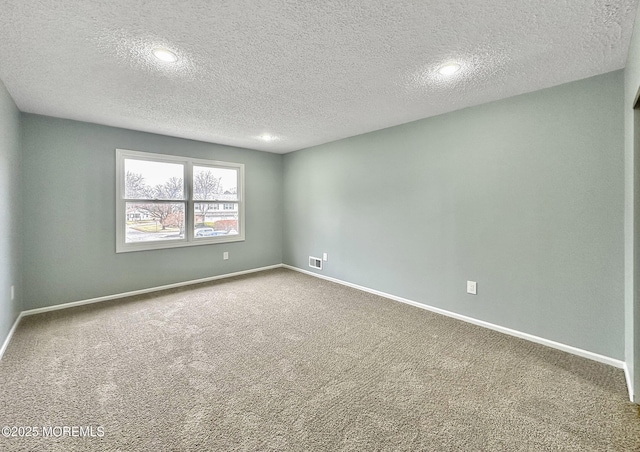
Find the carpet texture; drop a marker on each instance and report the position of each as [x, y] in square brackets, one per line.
[282, 361]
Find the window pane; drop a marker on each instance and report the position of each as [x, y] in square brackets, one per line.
[150, 222]
[210, 183]
[215, 219]
[153, 180]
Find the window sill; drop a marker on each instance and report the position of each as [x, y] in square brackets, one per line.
[160, 245]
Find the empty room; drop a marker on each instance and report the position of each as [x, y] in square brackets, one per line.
[388, 225]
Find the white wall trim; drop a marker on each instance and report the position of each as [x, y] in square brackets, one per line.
[627, 377]
[530, 337]
[143, 291]
[10, 335]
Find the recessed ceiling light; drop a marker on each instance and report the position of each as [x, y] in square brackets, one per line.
[165, 55]
[449, 69]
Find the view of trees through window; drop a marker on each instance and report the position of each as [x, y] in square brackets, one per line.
[156, 201]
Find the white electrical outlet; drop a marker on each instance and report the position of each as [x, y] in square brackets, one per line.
[325, 257]
[13, 293]
[472, 287]
[225, 255]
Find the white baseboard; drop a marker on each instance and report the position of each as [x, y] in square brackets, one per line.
[143, 291]
[5, 344]
[530, 337]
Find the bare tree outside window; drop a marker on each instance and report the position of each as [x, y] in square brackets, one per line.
[148, 185]
[166, 214]
[214, 185]
[205, 187]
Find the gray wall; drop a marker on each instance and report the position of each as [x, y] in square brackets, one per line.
[69, 211]
[524, 196]
[632, 210]
[10, 206]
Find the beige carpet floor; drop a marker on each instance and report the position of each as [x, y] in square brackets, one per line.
[279, 360]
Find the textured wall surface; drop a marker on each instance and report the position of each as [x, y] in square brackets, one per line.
[524, 196]
[632, 212]
[308, 72]
[69, 203]
[10, 208]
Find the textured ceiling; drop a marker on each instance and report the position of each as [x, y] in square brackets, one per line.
[305, 71]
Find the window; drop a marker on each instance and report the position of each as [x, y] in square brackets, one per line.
[165, 201]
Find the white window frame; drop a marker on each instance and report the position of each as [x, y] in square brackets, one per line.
[189, 238]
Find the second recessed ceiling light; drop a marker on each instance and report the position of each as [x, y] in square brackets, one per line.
[449, 69]
[165, 55]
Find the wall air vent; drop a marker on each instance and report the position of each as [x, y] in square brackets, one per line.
[315, 262]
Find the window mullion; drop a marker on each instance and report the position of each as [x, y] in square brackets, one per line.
[190, 207]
